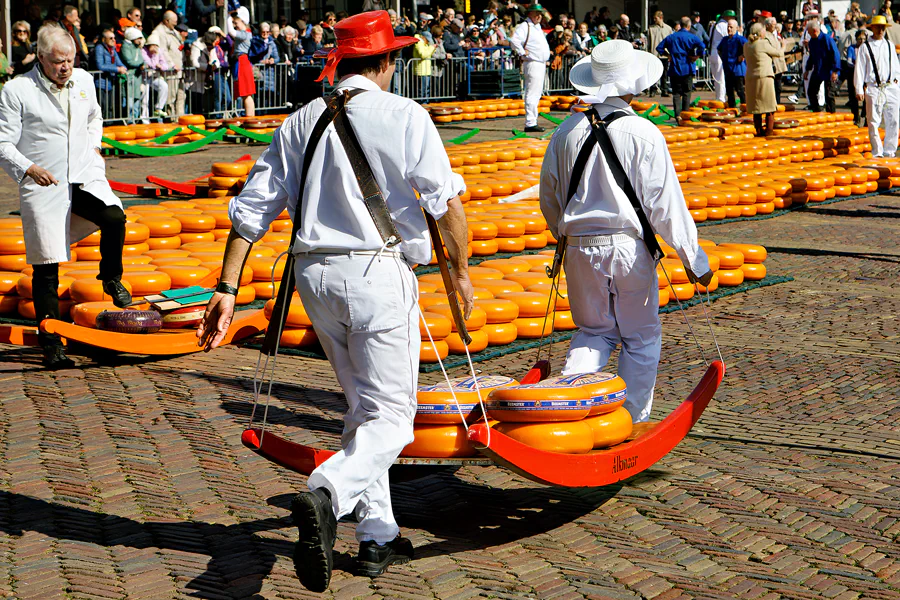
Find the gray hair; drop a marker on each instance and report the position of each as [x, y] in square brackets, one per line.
[288, 29]
[813, 25]
[51, 37]
[265, 24]
[771, 21]
[757, 31]
[686, 22]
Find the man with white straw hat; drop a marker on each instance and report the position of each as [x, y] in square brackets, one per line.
[607, 214]
[530, 43]
[875, 79]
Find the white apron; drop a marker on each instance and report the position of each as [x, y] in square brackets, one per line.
[34, 130]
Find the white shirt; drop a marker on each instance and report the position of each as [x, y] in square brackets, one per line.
[885, 59]
[719, 32]
[600, 206]
[404, 151]
[537, 47]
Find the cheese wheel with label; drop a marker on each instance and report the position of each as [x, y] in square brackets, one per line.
[574, 437]
[439, 441]
[553, 399]
[436, 402]
[611, 428]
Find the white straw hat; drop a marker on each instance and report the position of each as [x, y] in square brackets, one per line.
[615, 68]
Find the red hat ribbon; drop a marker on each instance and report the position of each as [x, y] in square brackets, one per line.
[331, 63]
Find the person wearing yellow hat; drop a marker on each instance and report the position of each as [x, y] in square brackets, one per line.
[876, 79]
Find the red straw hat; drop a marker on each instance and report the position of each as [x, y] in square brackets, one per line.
[764, 13]
[365, 34]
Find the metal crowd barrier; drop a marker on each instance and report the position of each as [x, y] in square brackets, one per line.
[558, 79]
[447, 75]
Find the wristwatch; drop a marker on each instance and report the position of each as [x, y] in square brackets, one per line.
[224, 288]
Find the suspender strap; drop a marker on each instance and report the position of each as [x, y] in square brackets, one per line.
[333, 106]
[608, 151]
[875, 64]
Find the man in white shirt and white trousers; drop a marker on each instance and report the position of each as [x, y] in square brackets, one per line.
[530, 43]
[882, 93]
[716, 68]
[50, 129]
[360, 294]
[611, 274]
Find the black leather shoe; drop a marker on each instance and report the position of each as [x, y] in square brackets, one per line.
[373, 560]
[534, 129]
[314, 517]
[121, 297]
[55, 358]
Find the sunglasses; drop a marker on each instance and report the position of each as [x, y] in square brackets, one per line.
[18, 31]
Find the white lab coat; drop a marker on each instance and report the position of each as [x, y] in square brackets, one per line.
[530, 43]
[716, 68]
[34, 129]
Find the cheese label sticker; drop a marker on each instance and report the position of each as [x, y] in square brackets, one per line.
[467, 384]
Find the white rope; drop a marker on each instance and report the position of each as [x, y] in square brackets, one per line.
[683, 313]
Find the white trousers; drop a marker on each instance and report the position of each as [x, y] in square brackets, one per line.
[364, 310]
[821, 95]
[717, 72]
[534, 72]
[161, 88]
[883, 110]
[614, 295]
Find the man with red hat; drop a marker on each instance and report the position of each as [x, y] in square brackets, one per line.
[353, 255]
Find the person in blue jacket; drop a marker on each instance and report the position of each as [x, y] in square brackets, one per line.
[107, 61]
[683, 49]
[822, 67]
[731, 51]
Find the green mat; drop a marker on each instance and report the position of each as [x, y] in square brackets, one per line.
[453, 361]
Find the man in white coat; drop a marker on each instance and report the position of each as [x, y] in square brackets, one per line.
[716, 68]
[875, 78]
[50, 128]
[358, 289]
[530, 43]
[611, 274]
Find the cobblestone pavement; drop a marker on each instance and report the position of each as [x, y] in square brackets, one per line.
[126, 478]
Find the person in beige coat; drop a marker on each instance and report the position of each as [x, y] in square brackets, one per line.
[759, 52]
[779, 65]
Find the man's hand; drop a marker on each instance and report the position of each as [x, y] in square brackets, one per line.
[860, 97]
[216, 320]
[41, 176]
[704, 280]
[466, 291]
[806, 76]
[121, 70]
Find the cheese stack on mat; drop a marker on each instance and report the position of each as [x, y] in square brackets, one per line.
[298, 331]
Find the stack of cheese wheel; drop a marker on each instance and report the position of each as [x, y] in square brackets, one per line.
[476, 110]
[264, 269]
[228, 178]
[570, 414]
[438, 428]
[474, 325]
[25, 306]
[440, 327]
[298, 331]
[535, 307]
[752, 266]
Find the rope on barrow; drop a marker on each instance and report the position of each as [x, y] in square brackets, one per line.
[166, 151]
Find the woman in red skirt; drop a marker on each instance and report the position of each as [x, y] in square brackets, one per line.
[244, 84]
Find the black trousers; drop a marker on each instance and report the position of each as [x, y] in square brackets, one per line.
[778, 88]
[682, 87]
[847, 75]
[734, 84]
[45, 280]
[813, 93]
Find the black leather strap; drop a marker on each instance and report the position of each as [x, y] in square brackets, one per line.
[372, 196]
[875, 63]
[333, 107]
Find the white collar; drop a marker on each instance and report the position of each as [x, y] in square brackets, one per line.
[52, 87]
[358, 81]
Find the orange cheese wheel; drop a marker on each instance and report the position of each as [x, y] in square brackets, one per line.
[561, 298]
[498, 286]
[91, 290]
[196, 223]
[456, 346]
[438, 325]
[134, 249]
[7, 223]
[298, 337]
[85, 313]
[575, 437]
[26, 310]
[184, 261]
[499, 310]
[483, 272]
[728, 258]
[263, 268]
[682, 291]
[164, 243]
[674, 269]
[528, 279]
[482, 230]
[204, 246]
[160, 226]
[219, 193]
[232, 169]
[167, 253]
[192, 237]
[500, 334]
[510, 245]
[534, 327]
[136, 233]
[264, 289]
[439, 441]
[563, 321]
[536, 260]
[11, 243]
[730, 277]
[752, 253]
[429, 299]
[297, 315]
[509, 227]
[530, 304]
[475, 321]
[483, 247]
[184, 275]
[506, 265]
[611, 428]
[443, 402]
[427, 351]
[8, 281]
[145, 283]
[753, 271]
[535, 241]
[24, 283]
[191, 120]
[83, 273]
[90, 240]
[713, 285]
[217, 182]
[426, 287]
[9, 305]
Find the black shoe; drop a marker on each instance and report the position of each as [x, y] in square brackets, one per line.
[120, 294]
[665, 94]
[314, 517]
[373, 560]
[534, 129]
[55, 358]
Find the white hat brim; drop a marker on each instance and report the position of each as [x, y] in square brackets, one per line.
[643, 73]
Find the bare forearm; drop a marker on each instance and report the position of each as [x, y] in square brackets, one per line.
[236, 251]
[455, 233]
